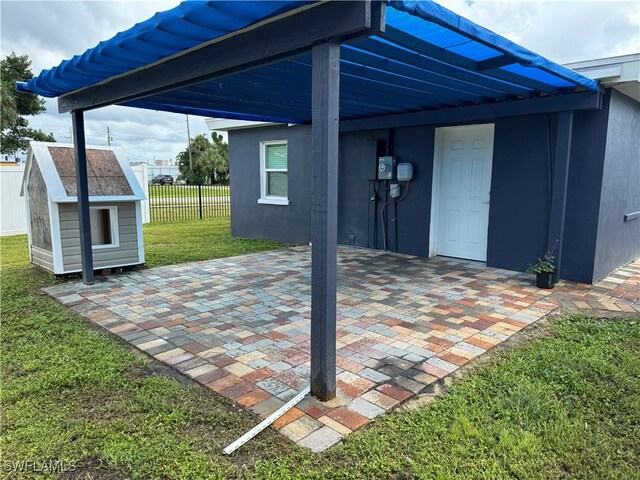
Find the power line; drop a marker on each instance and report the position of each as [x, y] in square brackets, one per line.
[171, 137]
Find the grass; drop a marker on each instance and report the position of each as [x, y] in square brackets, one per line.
[187, 191]
[195, 240]
[176, 214]
[565, 405]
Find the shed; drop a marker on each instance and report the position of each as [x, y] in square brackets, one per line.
[49, 189]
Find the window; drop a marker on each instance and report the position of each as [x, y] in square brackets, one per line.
[274, 188]
[104, 227]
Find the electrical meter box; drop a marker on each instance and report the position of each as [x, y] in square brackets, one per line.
[405, 172]
[386, 167]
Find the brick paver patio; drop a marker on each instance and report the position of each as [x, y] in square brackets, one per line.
[240, 325]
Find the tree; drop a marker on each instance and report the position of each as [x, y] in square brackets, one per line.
[219, 153]
[196, 168]
[16, 133]
[209, 161]
[8, 111]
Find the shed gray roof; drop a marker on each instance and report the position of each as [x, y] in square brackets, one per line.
[109, 177]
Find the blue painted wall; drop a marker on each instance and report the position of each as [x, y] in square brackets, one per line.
[357, 220]
[519, 211]
[361, 201]
[289, 223]
[520, 189]
[583, 193]
[410, 219]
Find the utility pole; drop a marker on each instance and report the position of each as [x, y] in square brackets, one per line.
[189, 145]
[109, 137]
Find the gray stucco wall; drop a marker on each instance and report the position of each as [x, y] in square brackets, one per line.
[357, 213]
[411, 221]
[407, 222]
[125, 254]
[618, 242]
[359, 221]
[583, 193]
[249, 219]
[520, 189]
[519, 197]
[519, 210]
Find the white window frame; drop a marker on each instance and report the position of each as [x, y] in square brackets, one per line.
[271, 199]
[113, 218]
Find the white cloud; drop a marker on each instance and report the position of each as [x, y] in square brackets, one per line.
[563, 31]
[49, 31]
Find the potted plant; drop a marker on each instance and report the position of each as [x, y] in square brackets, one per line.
[545, 270]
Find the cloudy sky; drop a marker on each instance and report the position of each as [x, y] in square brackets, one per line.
[49, 31]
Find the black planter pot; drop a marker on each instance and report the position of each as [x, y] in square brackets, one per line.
[546, 279]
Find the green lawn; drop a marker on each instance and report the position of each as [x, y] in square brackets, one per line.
[566, 405]
[187, 191]
[190, 241]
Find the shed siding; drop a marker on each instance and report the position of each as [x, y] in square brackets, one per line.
[42, 258]
[38, 210]
[125, 254]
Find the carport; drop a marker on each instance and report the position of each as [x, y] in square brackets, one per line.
[340, 66]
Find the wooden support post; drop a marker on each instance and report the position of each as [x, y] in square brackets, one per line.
[324, 217]
[82, 187]
[559, 185]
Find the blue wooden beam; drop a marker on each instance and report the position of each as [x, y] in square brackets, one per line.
[447, 82]
[366, 86]
[484, 112]
[421, 46]
[324, 217]
[244, 50]
[418, 87]
[206, 112]
[82, 187]
[495, 62]
[559, 182]
[281, 100]
[279, 78]
[390, 50]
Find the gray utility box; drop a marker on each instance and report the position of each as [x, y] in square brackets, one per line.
[386, 168]
[405, 172]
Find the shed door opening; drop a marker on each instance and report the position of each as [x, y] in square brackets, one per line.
[462, 184]
[102, 233]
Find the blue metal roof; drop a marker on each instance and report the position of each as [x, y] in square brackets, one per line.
[427, 58]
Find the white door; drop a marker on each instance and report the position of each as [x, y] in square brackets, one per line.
[462, 191]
